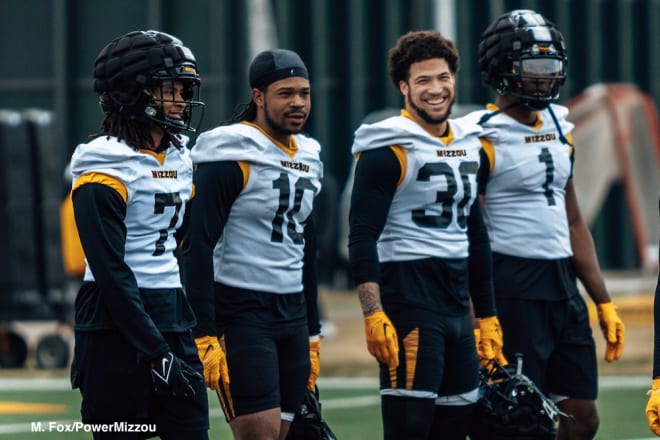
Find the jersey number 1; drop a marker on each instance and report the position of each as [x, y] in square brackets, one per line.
[546, 158]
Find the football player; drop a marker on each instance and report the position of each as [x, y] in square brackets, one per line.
[250, 252]
[135, 359]
[419, 249]
[540, 242]
[653, 405]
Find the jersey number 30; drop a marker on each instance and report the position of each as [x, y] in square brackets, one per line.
[446, 198]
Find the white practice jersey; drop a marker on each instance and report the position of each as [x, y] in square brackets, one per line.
[158, 186]
[524, 205]
[262, 244]
[428, 215]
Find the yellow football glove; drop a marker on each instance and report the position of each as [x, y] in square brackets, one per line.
[382, 340]
[613, 330]
[490, 338]
[214, 361]
[484, 362]
[315, 359]
[653, 407]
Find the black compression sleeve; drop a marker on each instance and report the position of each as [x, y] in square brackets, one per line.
[310, 286]
[656, 328]
[480, 264]
[656, 331]
[376, 176]
[99, 213]
[483, 173]
[217, 184]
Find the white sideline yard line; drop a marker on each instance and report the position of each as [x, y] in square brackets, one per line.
[27, 384]
[337, 383]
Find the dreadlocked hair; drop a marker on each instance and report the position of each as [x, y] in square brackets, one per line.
[136, 134]
[243, 112]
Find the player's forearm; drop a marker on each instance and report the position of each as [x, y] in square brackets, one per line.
[585, 263]
[369, 295]
[656, 331]
[310, 283]
[217, 185]
[480, 263]
[99, 215]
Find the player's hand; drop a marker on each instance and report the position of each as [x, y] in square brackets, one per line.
[172, 376]
[315, 361]
[490, 339]
[488, 362]
[613, 330]
[214, 361]
[382, 340]
[653, 407]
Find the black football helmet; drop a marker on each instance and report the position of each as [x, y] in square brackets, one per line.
[523, 44]
[131, 66]
[511, 407]
[307, 423]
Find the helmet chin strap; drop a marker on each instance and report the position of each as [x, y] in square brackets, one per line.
[535, 105]
[485, 118]
[172, 126]
[562, 138]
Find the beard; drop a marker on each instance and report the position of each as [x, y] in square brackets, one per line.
[428, 118]
[276, 126]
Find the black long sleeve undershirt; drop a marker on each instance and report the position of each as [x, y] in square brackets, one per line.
[376, 176]
[99, 213]
[310, 285]
[480, 264]
[656, 326]
[217, 185]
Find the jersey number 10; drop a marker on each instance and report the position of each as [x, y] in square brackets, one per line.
[284, 211]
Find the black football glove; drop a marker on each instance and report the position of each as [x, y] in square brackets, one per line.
[172, 376]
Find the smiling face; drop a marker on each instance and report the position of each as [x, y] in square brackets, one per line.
[169, 97]
[169, 104]
[283, 107]
[429, 93]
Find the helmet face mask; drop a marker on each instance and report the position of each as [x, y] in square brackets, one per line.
[308, 423]
[536, 81]
[511, 406]
[131, 70]
[162, 96]
[523, 55]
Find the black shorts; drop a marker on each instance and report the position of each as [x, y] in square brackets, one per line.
[533, 278]
[267, 346]
[436, 357]
[555, 338]
[116, 387]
